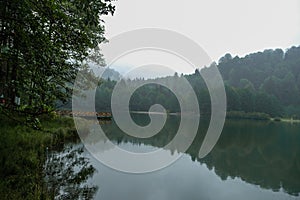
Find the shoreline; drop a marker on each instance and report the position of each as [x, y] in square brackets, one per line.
[286, 120]
[273, 119]
[155, 113]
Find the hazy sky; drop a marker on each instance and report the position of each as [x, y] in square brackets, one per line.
[219, 26]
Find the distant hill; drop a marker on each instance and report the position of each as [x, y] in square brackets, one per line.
[104, 72]
[111, 74]
[265, 82]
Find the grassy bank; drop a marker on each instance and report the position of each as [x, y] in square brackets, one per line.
[258, 116]
[288, 120]
[244, 115]
[22, 155]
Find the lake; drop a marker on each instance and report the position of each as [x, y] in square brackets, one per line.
[251, 160]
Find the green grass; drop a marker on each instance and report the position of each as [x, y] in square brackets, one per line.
[249, 115]
[22, 155]
[289, 120]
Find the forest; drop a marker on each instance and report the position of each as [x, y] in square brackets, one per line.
[265, 82]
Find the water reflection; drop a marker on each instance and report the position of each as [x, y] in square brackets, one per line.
[262, 153]
[248, 153]
[67, 172]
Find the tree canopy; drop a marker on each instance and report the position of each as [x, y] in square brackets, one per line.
[266, 82]
[43, 45]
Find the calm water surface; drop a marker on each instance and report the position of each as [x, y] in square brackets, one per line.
[252, 160]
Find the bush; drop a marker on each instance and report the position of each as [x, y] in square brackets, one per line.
[277, 119]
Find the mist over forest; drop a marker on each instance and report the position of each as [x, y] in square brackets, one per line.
[264, 82]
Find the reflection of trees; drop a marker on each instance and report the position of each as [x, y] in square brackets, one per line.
[262, 153]
[159, 140]
[66, 173]
[259, 153]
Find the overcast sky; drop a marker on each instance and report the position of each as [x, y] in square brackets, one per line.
[219, 26]
[238, 27]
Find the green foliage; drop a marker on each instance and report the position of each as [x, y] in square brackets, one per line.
[264, 82]
[23, 155]
[43, 45]
[277, 119]
[272, 72]
[244, 115]
[292, 111]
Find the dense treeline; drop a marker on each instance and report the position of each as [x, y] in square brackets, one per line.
[264, 82]
[267, 81]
